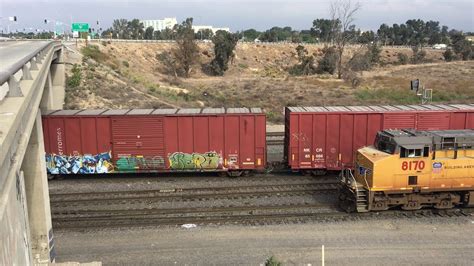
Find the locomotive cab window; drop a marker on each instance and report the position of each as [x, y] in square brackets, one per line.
[426, 151]
[410, 153]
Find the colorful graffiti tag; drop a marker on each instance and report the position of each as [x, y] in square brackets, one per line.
[183, 161]
[135, 163]
[79, 164]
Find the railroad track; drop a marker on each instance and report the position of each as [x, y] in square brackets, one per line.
[190, 194]
[216, 215]
[255, 217]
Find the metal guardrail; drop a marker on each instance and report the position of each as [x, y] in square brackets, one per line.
[8, 74]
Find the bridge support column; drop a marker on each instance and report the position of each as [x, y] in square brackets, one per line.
[47, 100]
[37, 196]
[58, 80]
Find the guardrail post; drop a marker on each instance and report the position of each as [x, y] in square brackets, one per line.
[38, 59]
[14, 87]
[26, 73]
[33, 65]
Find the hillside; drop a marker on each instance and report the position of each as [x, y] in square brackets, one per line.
[128, 75]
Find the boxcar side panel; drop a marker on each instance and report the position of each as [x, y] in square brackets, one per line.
[201, 134]
[104, 135]
[216, 138]
[77, 145]
[89, 135]
[433, 121]
[374, 125]
[293, 150]
[260, 141]
[138, 143]
[332, 143]
[319, 140]
[232, 141]
[360, 130]
[399, 120]
[247, 142]
[347, 139]
[185, 134]
[72, 132]
[470, 120]
[305, 140]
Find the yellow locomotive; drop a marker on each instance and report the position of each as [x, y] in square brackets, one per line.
[411, 169]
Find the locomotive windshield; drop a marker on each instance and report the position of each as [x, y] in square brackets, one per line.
[385, 144]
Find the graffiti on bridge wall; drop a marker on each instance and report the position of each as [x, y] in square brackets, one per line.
[182, 161]
[134, 163]
[79, 164]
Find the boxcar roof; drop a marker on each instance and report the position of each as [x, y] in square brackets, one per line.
[383, 108]
[169, 111]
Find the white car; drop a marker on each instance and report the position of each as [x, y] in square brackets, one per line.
[440, 46]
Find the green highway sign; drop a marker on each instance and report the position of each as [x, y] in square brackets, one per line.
[80, 27]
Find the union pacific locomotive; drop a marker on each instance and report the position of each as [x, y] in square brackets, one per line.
[411, 169]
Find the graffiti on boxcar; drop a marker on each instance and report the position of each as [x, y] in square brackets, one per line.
[300, 137]
[79, 164]
[134, 163]
[182, 161]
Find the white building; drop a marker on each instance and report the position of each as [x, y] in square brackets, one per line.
[160, 24]
[197, 28]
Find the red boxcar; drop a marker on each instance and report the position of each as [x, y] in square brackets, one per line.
[325, 138]
[155, 140]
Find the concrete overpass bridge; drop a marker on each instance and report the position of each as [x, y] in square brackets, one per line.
[32, 78]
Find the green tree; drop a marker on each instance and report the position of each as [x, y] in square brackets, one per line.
[120, 29]
[384, 33]
[343, 12]
[136, 29]
[323, 29]
[186, 52]
[461, 46]
[277, 34]
[224, 45]
[157, 35]
[204, 34]
[149, 33]
[366, 37]
[251, 34]
[168, 34]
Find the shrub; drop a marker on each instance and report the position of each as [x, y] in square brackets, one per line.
[92, 51]
[449, 55]
[306, 63]
[272, 261]
[75, 79]
[125, 63]
[327, 64]
[360, 62]
[418, 55]
[402, 58]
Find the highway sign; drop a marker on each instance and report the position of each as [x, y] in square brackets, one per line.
[75, 34]
[81, 27]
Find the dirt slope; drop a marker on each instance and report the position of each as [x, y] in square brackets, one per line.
[130, 76]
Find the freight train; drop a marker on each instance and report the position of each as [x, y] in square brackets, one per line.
[411, 169]
[232, 140]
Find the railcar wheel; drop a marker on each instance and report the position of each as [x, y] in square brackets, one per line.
[411, 206]
[380, 206]
[235, 173]
[444, 204]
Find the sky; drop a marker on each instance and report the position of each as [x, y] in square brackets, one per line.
[235, 14]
